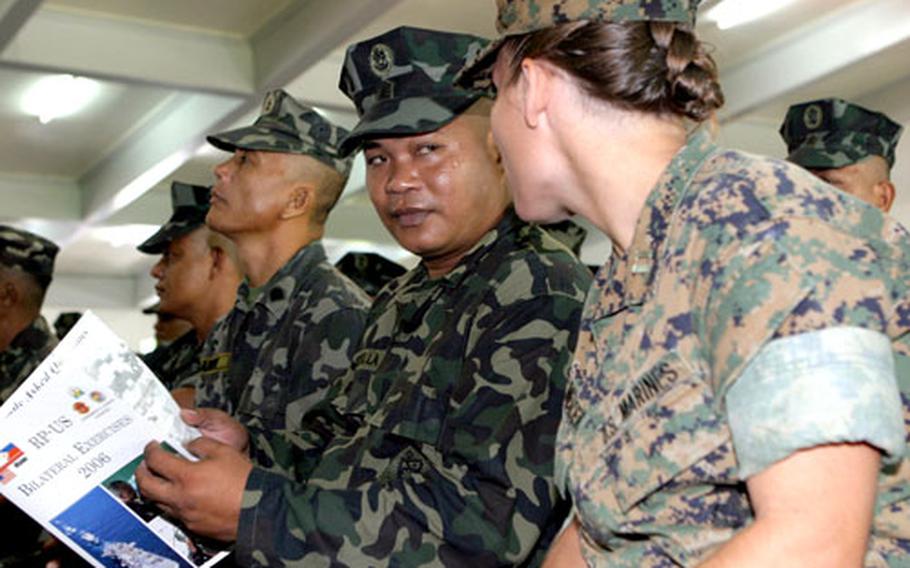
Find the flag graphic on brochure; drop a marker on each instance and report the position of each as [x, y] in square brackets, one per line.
[73, 436]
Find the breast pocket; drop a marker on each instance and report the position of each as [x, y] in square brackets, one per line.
[668, 423]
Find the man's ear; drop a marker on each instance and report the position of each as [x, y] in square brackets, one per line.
[9, 294]
[301, 200]
[218, 260]
[884, 195]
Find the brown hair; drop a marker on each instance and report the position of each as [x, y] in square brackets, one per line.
[658, 67]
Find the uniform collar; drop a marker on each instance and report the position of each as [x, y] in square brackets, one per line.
[281, 287]
[32, 338]
[640, 262]
[509, 223]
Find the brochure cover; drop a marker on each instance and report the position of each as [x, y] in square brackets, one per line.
[71, 438]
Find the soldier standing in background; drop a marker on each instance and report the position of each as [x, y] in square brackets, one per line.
[197, 278]
[848, 146]
[437, 446]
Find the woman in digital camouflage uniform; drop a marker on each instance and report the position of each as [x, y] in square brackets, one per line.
[733, 400]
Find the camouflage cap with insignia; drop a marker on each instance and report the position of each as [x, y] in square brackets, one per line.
[190, 204]
[369, 270]
[286, 125]
[832, 133]
[518, 17]
[401, 82]
[33, 254]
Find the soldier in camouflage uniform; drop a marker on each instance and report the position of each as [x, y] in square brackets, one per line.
[26, 269]
[850, 147]
[733, 399]
[297, 319]
[436, 449]
[197, 279]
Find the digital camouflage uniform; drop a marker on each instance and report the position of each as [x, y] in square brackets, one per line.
[753, 315]
[21, 250]
[757, 312]
[177, 364]
[440, 445]
[271, 359]
[832, 133]
[437, 447]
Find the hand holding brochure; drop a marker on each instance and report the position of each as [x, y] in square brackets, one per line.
[70, 439]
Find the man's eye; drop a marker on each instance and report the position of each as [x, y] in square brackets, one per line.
[427, 149]
[375, 160]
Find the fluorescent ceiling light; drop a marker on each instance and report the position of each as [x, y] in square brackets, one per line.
[730, 13]
[125, 235]
[57, 96]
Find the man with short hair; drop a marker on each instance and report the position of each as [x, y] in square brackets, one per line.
[846, 145]
[26, 270]
[197, 279]
[437, 446]
[297, 319]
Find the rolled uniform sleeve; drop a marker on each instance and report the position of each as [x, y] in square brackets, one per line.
[800, 341]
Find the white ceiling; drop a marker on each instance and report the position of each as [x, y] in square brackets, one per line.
[172, 71]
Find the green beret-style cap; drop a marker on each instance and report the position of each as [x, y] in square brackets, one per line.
[190, 204]
[402, 82]
[33, 254]
[833, 133]
[286, 125]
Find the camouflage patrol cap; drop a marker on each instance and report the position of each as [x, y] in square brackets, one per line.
[518, 17]
[832, 133]
[286, 125]
[190, 204]
[33, 254]
[401, 82]
[369, 270]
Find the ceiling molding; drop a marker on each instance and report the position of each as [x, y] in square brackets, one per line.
[847, 37]
[154, 152]
[291, 44]
[119, 50]
[13, 16]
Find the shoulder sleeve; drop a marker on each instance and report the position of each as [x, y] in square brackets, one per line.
[798, 275]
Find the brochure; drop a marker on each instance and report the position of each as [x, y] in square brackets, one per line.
[71, 438]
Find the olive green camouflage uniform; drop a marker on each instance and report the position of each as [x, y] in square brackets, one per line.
[23, 355]
[271, 359]
[177, 364]
[438, 448]
[754, 315]
[832, 133]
